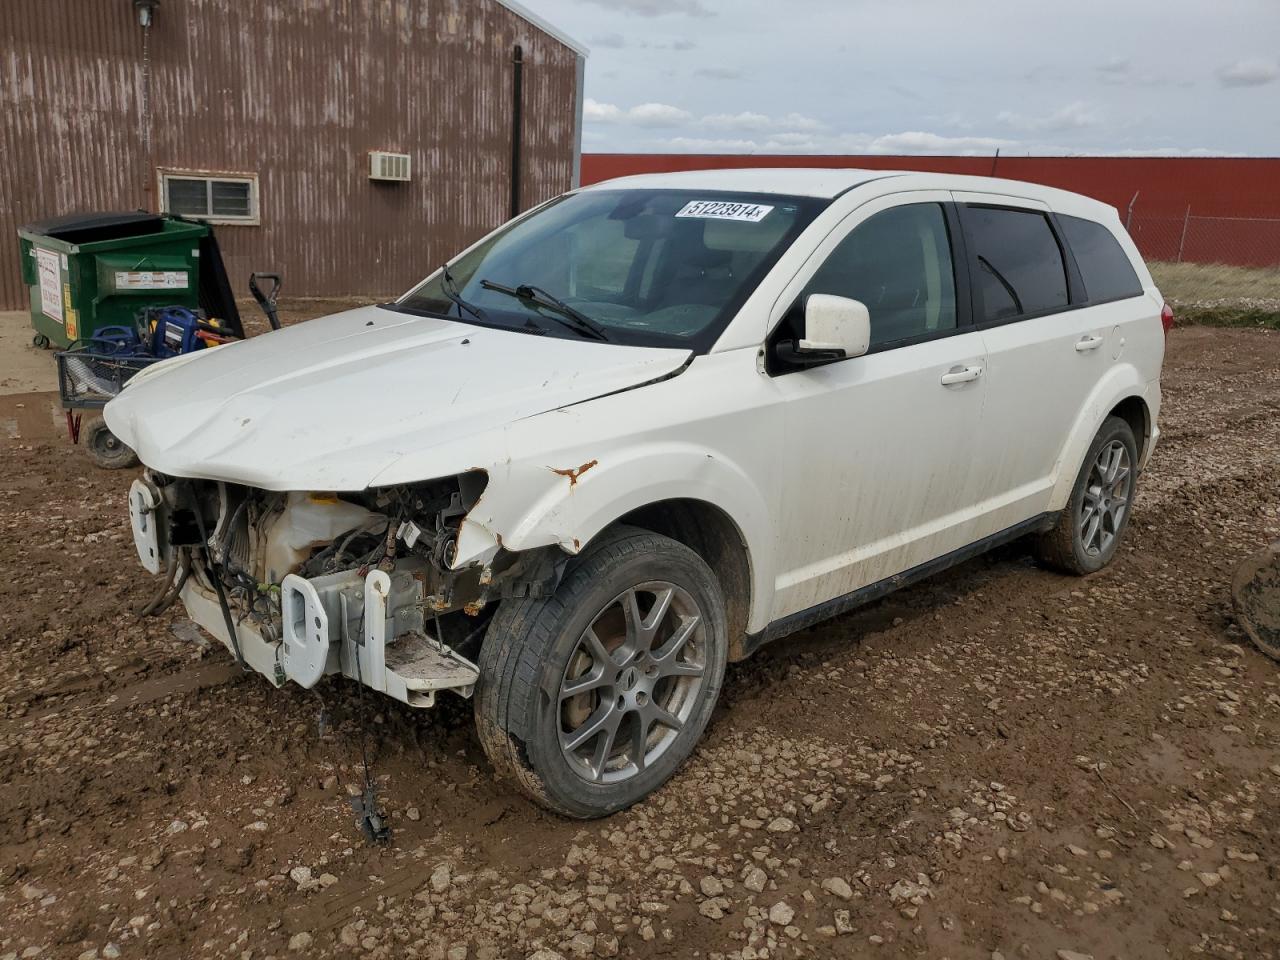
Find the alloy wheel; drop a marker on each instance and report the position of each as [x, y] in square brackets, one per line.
[632, 682]
[1106, 498]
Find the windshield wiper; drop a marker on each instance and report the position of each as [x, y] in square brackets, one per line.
[451, 291]
[1008, 287]
[570, 317]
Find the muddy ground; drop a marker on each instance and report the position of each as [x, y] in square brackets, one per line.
[998, 762]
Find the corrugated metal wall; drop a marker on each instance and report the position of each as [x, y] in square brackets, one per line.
[297, 92]
[1214, 186]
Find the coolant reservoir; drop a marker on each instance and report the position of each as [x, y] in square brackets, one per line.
[310, 521]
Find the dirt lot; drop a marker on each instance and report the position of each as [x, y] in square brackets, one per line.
[998, 762]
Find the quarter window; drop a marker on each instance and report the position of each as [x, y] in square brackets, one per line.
[1105, 267]
[897, 262]
[225, 199]
[1018, 264]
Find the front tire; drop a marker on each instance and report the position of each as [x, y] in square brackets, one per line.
[590, 699]
[1089, 530]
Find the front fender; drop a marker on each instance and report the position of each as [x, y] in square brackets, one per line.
[1120, 383]
[567, 504]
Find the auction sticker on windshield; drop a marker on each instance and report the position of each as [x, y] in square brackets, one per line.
[725, 210]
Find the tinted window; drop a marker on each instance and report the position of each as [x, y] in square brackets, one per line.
[897, 262]
[1107, 272]
[1019, 266]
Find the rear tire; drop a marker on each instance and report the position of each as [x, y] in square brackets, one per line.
[1088, 532]
[590, 699]
[105, 448]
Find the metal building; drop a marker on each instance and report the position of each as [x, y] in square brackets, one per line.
[350, 145]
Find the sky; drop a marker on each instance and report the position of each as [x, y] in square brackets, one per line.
[1135, 77]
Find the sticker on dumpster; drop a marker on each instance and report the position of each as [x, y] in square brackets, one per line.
[50, 284]
[725, 210]
[151, 280]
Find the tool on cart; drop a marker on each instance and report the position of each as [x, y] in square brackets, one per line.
[1255, 593]
[176, 330]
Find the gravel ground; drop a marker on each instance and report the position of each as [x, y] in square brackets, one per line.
[1000, 762]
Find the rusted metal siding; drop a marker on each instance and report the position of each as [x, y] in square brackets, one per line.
[297, 92]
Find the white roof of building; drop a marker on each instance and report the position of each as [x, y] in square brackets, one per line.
[520, 10]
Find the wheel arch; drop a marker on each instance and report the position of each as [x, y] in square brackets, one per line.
[711, 533]
[1134, 411]
[1122, 393]
[697, 496]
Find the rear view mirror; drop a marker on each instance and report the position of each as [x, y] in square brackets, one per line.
[836, 323]
[647, 226]
[835, 328]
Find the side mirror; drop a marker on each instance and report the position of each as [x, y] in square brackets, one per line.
[835, 328]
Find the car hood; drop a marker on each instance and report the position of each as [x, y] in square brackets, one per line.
[333, 403]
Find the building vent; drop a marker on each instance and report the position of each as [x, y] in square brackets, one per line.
[388, 166]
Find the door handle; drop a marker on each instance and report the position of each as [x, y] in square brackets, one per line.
[1091, 342]
[961, 375]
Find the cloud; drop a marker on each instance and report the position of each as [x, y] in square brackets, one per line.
[1120, 67]
[1119, 71]
[1248, 73]
[905, 92]
[798, 121]
[667, 115]
[1074, 116]
[656, 8]
[718, 73]
[616, 41]
[644, 115]
[744, 122]
[658, 115]
[595, 112]
[912, 142]
[918, 141]
[749, 122]
[709, 145]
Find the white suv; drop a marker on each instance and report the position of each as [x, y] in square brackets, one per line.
[642, 430]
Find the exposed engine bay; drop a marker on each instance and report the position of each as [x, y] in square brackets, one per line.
[299, 585]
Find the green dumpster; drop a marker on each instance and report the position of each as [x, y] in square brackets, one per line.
[90, 271]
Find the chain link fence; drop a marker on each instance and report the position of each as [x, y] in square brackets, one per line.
[1235, 241]
[1214, 269]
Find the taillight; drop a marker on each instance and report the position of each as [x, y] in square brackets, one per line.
[1166, 318]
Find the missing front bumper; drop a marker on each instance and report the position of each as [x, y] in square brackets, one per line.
[370, 629]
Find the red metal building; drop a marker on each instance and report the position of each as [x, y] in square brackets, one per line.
[1202, 209]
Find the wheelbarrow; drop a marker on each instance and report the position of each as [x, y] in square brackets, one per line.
[1255, 593]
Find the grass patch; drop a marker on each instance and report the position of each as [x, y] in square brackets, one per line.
[1211, 283]
[1228, 317]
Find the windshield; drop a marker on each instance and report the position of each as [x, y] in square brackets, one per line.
[662, 268]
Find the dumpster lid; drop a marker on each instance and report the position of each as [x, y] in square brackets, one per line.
[98, 225]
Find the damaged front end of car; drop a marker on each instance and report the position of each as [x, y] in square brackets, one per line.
[301, 585]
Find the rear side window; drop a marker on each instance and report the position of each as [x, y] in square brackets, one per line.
[1019, 268]
[1105, 267]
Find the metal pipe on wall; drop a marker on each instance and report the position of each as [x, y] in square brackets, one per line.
[517, 124]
